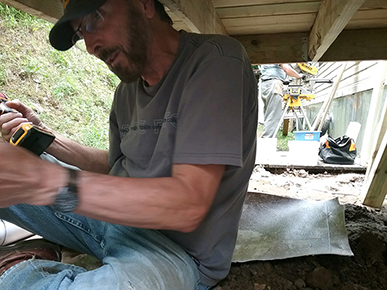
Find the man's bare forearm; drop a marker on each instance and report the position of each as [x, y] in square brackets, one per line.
[83, 157]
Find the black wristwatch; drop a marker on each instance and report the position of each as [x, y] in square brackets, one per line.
[67, 197]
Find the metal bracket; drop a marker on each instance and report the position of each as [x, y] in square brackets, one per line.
[305, 44]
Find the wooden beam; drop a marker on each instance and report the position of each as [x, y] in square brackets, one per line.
[234, 3]
[273, 48]
[199, 15]
[374, 128]
[351, 45]
[274, 28]
[49, 10]
[270, 10]
[361, 44]
[376, 188]
[269, 23]
[331, 19]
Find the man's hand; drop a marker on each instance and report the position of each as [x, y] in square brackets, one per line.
[25, 178]
[11, 121]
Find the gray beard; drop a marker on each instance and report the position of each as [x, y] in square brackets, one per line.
[137, 52]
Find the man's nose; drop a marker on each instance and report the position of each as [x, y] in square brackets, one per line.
[91, 42]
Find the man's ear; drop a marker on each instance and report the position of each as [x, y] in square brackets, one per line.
[148, 7]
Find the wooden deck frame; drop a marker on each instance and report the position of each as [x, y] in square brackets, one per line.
[326, 41]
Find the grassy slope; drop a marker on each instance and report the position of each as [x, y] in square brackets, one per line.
[70, 91]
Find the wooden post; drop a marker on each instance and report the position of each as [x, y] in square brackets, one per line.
[375, 187]
[372, 132]
[285, 127]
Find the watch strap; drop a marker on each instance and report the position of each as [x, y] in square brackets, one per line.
[67, 197]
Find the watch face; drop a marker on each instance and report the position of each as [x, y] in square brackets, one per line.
[66, 199]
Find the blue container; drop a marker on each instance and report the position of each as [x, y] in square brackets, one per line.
[307, 135]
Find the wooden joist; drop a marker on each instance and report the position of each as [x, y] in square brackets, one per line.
[291, 47]
[199, 15]
[299, 9]
[267, 48]
[360, 44]
[331, 19]
[237, 3]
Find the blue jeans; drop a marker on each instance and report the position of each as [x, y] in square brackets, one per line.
[133, 259]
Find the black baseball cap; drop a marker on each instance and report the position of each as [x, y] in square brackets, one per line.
[62, 32]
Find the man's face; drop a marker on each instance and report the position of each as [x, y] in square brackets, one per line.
[121, 40]
[129, 58]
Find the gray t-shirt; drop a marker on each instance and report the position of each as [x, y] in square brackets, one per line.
[270, 71]
[204, 111]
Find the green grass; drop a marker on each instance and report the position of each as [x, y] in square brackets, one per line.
[282, 141]
[16, 18]
[70, 91]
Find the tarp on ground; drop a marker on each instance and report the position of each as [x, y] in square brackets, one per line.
[274, 227]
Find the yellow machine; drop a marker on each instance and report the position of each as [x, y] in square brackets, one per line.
[308, 68]
[293, 104]
[296, 93]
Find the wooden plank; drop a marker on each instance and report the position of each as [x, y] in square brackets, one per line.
[179, 25]
[273, 48]
[268, 29]
[288, 48]
[375, 190]
[379, 14]
[285, 127]
[50, 10]
[268, 10]
[368, 19]
[332, 18]
[238, 3]
[365, 44]
[374, 4]
[269, 25]
[372, 131]
[200, 15]
[366, 24]
[270, 20]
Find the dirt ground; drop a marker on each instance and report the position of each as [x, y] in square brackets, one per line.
[367, 233]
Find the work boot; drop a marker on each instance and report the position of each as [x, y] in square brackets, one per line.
[25, 250]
